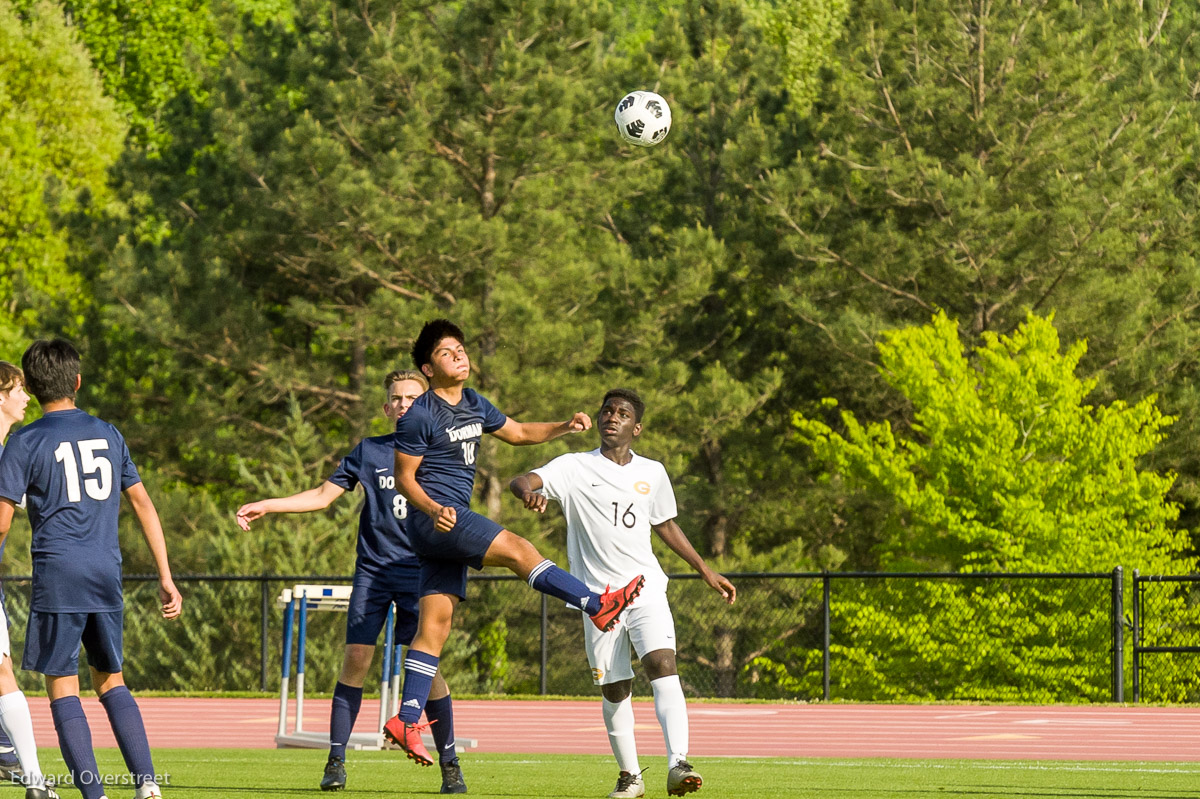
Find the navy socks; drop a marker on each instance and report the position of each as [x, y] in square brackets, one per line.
[550, 579]
[419, 671]
[440, 713]
[346, 702]
[130, 731]
[75, 742]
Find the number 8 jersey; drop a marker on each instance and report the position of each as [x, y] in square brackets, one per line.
[610, 510]
[72, 467]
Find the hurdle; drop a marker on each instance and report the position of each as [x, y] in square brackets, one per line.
[296, 603]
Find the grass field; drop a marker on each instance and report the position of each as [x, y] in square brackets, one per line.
[266, 773]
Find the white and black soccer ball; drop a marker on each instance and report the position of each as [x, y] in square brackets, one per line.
[643, 118]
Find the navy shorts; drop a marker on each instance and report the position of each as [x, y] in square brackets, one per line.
[52, 642]
[446, 556]
[369, 601]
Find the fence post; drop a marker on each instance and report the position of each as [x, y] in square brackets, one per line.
[263, 629]
[1137, 637]
[825, 585]
[1118, 635]
[545, 643]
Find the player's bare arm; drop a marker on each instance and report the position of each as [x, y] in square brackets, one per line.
[525, 488]
[673, 537]
[521, 434]
[317, 498]
[444, 516]
[7, 509]
[147, 515]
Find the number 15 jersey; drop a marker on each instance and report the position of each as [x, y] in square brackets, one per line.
[610, 509]
[73, 468]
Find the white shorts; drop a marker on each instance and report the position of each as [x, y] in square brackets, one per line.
[647, 625]
[5, 644]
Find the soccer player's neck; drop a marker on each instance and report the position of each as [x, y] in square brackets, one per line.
[450, 390]
[64, 404]
[620, 455]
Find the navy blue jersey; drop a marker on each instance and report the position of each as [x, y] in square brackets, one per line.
[72, 468]
[383, 525]
[3, 543]
[447, 437]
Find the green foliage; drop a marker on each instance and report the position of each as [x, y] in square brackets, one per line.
[58, 135]
[1007, 468]
[805, 32]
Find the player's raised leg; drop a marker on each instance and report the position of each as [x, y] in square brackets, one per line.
[523, 559]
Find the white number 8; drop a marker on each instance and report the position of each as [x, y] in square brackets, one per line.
[400, 507]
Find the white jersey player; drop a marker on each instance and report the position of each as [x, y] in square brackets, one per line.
[612, 499]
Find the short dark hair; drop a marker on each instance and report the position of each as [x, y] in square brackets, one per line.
[433, 332]
[630, 396]
[10, 376]
[50, 369]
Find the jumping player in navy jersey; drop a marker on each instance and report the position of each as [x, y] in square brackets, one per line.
[73, 468]
[385, 571]
[17, 742]
[436, 446]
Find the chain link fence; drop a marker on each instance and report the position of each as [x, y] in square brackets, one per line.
[800, 636]
[1166, 638]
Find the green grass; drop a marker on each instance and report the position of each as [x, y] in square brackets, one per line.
[268, 773]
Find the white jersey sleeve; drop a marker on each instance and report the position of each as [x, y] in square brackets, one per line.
[556, 477]
[662, 504]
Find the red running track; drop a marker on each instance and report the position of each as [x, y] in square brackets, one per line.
[803, 731]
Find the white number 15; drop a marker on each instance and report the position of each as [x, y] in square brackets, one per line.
[98, 487]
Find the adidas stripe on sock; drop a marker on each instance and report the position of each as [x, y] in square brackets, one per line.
[419, 671]
[550, 579]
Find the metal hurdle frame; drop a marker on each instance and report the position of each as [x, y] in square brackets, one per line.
[337, 598]
[332, 598]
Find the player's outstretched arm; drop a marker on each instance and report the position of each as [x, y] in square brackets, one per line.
[143, 507]
[670, 533]
[313, 499]
[525, 488]
[521, 434]
[405, 468]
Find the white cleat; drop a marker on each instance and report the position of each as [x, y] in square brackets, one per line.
[148, 790]
[629, 786]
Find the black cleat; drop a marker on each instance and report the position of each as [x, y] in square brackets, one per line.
[335, 774]
[452, 778]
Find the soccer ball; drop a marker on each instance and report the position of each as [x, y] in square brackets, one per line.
[643, 118]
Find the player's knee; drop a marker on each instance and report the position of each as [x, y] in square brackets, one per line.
[617, 691]
[356, 664]
[660, 663]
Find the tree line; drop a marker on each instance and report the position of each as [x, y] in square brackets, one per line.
[905, 286]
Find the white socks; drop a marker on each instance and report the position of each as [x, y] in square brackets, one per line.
[14, 717]
[671, 709]
[618, 718]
